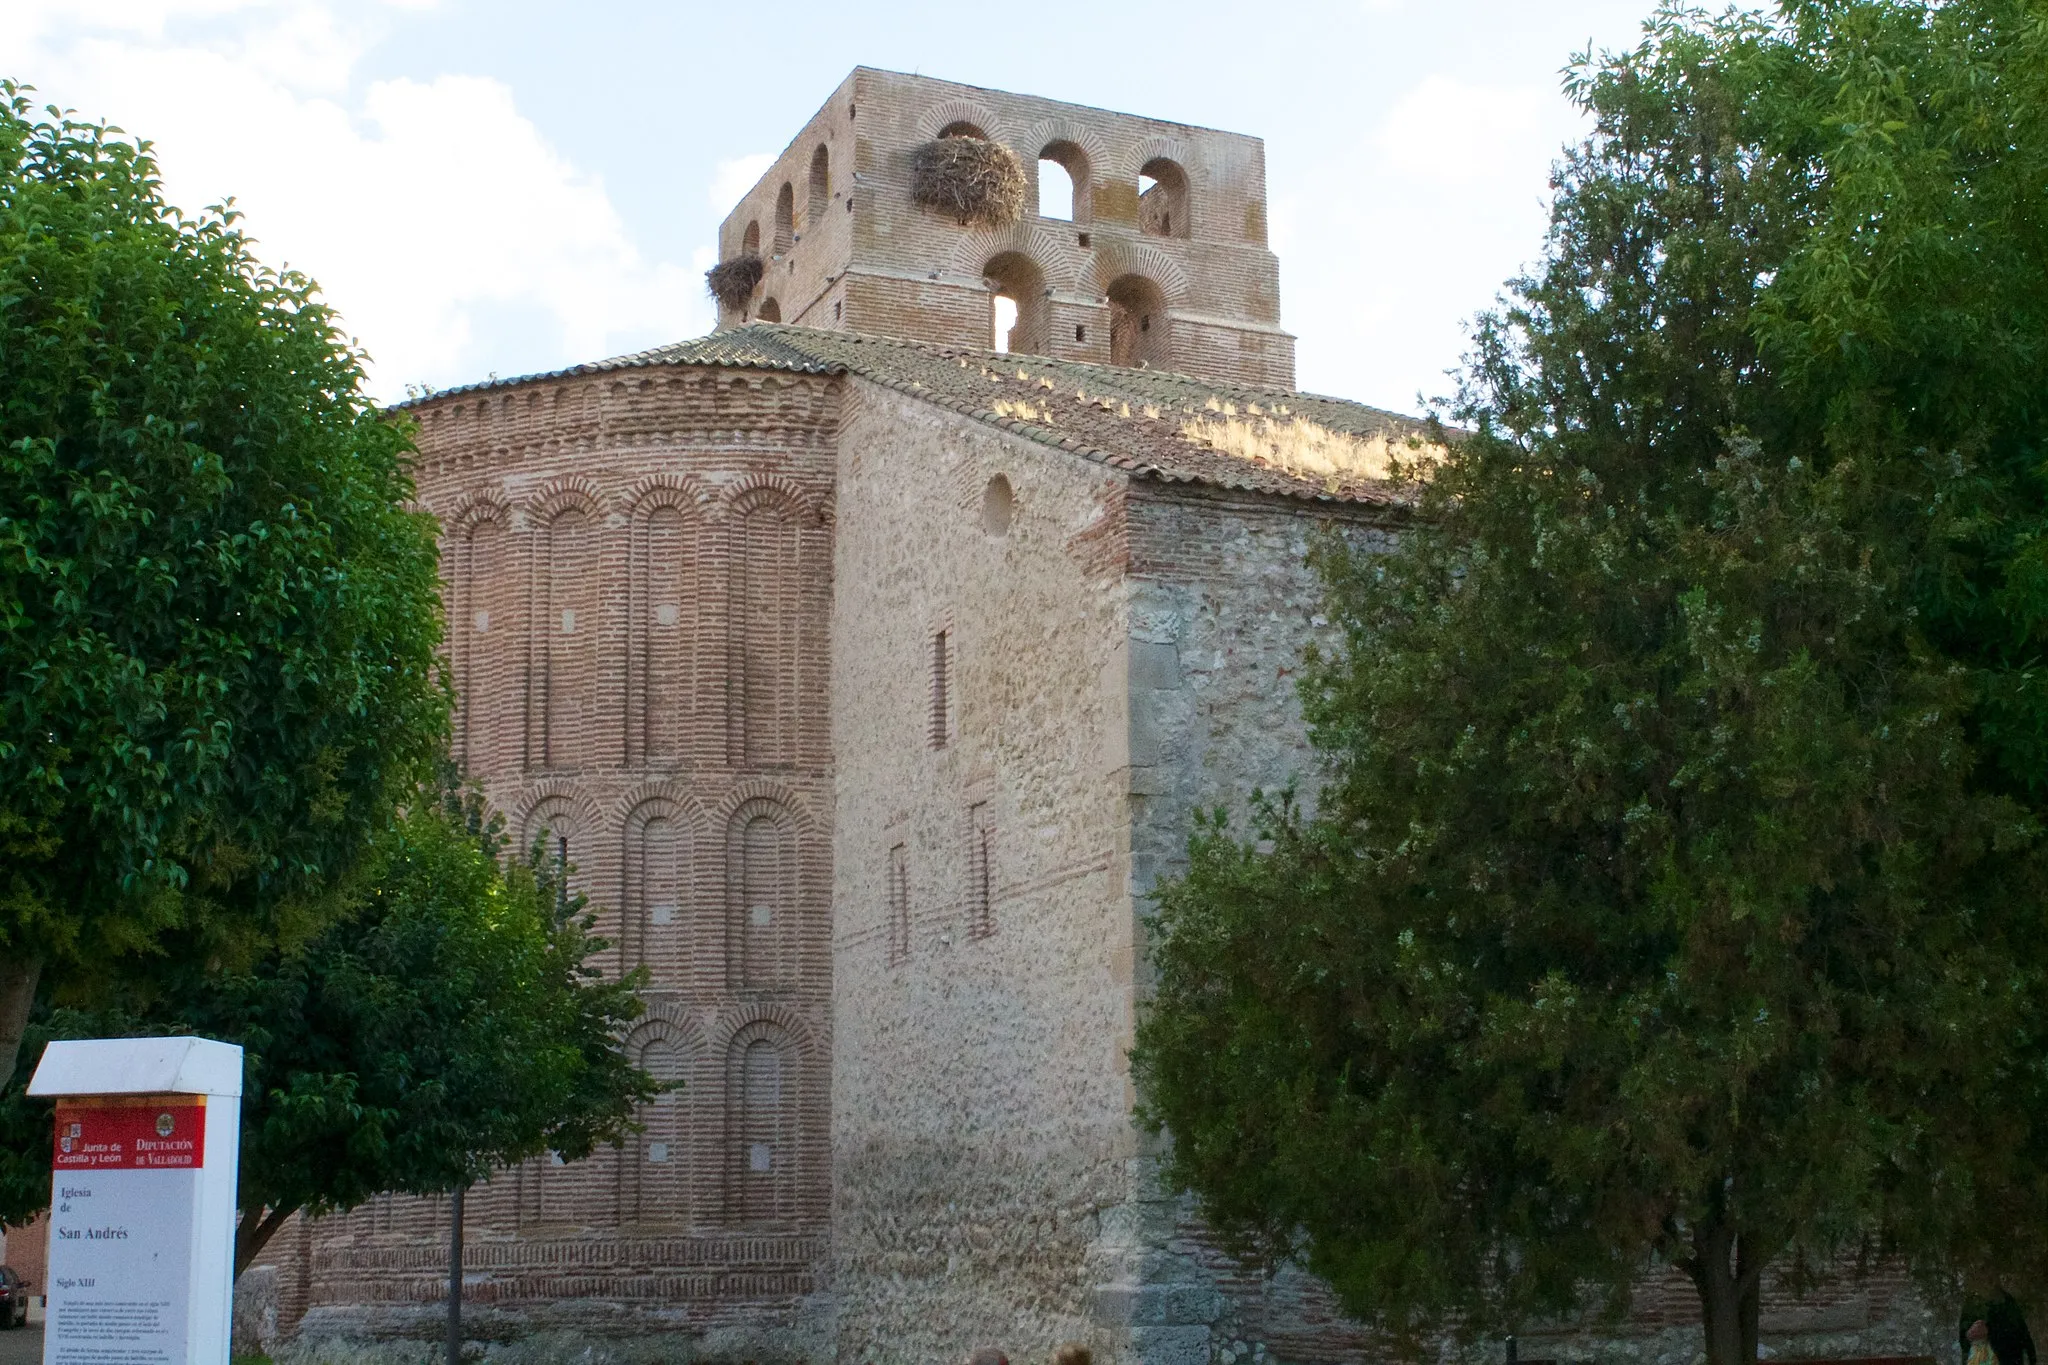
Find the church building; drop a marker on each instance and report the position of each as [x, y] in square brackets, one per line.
[869, 659]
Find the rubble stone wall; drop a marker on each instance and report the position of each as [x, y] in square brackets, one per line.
[982, 949]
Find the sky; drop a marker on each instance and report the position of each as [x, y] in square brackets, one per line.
[499, 187]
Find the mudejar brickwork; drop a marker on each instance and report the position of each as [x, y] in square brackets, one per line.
[868, 660]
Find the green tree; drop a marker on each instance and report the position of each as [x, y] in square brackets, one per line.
[217, 617]
[449, 1025]
[1674, 890]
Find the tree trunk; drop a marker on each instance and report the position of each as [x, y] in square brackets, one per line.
[455, 1277]
[254, 1231]
[1749, 1289]
[18, 979]
[1727, 1271]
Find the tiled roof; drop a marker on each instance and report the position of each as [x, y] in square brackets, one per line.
[1150, 423]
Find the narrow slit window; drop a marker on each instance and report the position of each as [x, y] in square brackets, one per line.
[981, 911]
[941, 720]
[899, 905]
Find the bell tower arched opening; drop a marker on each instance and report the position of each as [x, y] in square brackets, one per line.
[1162, 198]
[1139, 331]
[1015, 279]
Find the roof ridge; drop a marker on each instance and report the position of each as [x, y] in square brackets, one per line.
[1132, 420]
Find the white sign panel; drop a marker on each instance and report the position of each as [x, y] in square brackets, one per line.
[141, 1210]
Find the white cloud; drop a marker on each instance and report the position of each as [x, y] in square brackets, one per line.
[1389, 244]
[1454, 133]
[734, 178]
[433, 213]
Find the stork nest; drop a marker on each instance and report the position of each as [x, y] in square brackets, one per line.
[969, 178]
[732, 282]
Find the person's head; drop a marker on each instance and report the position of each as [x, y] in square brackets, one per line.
[987, 1355]
[1978, 1331]
[1073, 1353]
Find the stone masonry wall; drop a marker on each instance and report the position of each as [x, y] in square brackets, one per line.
[1222, 605]
[982, 949]
[638, 574]
[859, 254]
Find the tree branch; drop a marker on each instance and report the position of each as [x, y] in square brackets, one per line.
[18, 980]
[252, 1234]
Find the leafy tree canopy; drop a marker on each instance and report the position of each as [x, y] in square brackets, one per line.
[449, 1025]
[1674, 892]
[217, 617]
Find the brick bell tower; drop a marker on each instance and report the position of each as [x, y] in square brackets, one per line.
[1156, 259]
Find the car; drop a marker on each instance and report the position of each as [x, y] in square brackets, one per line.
[13, 1298]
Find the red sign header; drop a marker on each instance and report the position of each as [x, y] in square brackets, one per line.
[131, 1133]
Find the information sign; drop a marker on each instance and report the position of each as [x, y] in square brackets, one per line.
[141, 1200]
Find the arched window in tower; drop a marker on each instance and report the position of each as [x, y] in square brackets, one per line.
[761, 898]
[568, 631]
[962, 128]
[761, 1131]
[765, 616]
[785, 219]
[663, 699]
[1162, 198]
[657, 881]
[1139, 333]
[1016, 281]
[1063, 173]
[1055, 191]
[821, 188]
[770, 310]
[750, 240]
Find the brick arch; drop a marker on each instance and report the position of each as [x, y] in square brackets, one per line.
[1114, 259]
[958, 111]
[683, 491]
[483, 504]
[1050, 246]
[756, 789]
[559, 495]
[1045, 132]
[1070, 141]
[677, 1016]
[736, 1028]
[760, 486]
[666, 1023]
[550, 795]
[1174, 149]
[703, 820]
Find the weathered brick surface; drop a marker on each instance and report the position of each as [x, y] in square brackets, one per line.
[638, 577]
[860, 255]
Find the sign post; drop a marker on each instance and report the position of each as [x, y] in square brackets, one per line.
[142, 1200]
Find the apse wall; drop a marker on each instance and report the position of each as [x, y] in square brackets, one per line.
[638, 577]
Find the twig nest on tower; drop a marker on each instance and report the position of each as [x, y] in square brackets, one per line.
[969, 178]
[732, 282]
